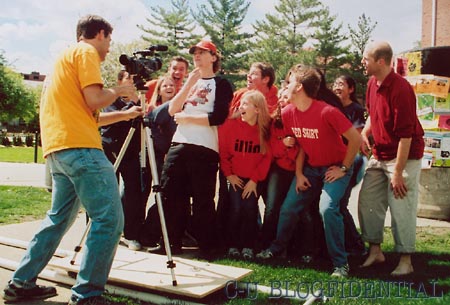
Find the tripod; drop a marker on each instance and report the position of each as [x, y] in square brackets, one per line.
[146, 142]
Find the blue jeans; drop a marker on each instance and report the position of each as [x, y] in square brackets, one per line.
[353, 239]
[80, 176]
[294, 204]
[243, 218]
[276, 187]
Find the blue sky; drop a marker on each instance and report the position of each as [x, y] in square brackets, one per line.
[34, 32]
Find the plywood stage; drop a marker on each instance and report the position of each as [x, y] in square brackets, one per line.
[195, 279]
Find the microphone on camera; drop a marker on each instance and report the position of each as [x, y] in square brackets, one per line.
[158, 47]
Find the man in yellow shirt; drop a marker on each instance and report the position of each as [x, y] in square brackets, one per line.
[81, 172]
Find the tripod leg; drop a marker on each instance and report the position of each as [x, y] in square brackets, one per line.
[116, 166]
[124, 148]
[156, 189]
[83, 237]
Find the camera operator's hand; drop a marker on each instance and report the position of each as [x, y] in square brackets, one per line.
[134, 112]
[107, 118]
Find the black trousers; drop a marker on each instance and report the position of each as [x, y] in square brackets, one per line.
[190, 170]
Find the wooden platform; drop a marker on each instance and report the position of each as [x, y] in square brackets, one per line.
[195, 279]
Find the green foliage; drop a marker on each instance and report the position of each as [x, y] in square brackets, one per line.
[17, 141]
[5, 141]
[359, 38]
[331, 54]
[222, 22]
[281, 37]
[29, 140]
[16, 99]
[173, 27]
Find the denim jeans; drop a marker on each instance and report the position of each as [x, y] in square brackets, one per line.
[353, 239]
[294, 204]
[80, 176]
[243, 219]
[275, 190]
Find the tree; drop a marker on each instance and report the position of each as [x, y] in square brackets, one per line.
[331, 55]
[172, 27]
[280, 39]
[359, 38]
[222, 22]
[17, 101]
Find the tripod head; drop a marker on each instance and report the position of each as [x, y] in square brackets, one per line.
[139, 82]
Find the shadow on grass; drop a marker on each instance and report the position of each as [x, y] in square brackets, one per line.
[430, 270]
[431, 278]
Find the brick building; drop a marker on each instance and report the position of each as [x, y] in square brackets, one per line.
[435, 23]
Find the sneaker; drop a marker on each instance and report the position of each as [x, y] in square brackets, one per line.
[233, 252]
[265, 254]
[189, 242]
[13, 293]
[247, 253]
[97, 300]
[174, 250]
[152, 248]
[341, 271]
[132, 244]
[306, 259]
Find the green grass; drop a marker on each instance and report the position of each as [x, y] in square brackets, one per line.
[20, 154]
[24, 203]
[430, 284]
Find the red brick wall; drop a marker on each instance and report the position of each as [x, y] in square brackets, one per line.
[442, 23]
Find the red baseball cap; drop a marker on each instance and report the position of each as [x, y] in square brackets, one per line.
[204, 45]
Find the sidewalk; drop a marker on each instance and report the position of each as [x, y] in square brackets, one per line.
[26, 174]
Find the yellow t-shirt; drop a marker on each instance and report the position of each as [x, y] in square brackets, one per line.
[65, 118]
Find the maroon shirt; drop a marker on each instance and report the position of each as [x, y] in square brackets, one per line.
[392, 111]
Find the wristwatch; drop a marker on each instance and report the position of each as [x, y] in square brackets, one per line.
[343, 168]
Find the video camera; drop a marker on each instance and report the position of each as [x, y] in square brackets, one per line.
[142, 67]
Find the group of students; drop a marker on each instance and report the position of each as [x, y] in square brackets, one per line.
[297, 148]
[297, 160]
[300, 158]
[257, 148]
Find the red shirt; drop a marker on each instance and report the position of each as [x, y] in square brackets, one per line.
[392, 111]
[239, 151]
[284, 156]
[271, 99]
[318, 130]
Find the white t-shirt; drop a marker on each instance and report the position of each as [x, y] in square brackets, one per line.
[200, 100]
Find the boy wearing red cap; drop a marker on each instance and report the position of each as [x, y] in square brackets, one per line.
[192, 161]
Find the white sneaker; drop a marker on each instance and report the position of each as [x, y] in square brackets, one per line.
[247, 253]
[132, 244]
[233, 252]
[341, 271]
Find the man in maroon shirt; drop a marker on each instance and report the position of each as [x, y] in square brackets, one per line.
[392, 175]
